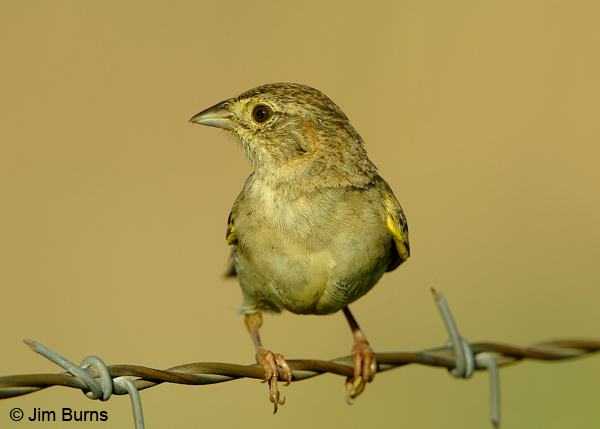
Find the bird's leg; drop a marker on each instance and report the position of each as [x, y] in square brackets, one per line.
[365, 362]
[268, 360]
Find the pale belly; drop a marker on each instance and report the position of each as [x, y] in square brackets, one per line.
[279, 274]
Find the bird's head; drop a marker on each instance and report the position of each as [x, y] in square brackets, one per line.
[289, 130]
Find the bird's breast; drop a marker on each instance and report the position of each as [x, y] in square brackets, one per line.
[312, 254]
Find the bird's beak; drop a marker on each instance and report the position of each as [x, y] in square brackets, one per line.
[216, 116]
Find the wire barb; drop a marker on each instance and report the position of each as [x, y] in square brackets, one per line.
[460, 357]
[103, 390]
[486, 360]
[465, 359]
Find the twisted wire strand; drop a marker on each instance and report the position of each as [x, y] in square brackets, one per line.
[201, 373]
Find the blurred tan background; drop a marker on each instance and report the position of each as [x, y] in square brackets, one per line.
[483, 117]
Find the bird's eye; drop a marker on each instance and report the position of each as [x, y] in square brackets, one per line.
[261, 113]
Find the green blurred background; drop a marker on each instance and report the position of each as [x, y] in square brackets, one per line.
[482, 116]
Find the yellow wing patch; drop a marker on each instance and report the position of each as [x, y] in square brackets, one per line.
[396, 223]
[400, 239]
[231, 235]
[231, 232]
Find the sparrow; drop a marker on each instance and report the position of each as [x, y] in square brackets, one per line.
[315, 226]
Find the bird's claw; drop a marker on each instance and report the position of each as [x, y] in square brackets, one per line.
[365, 367]
[271, 363]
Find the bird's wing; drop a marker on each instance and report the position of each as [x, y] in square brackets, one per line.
[396, 223]
[231, 232]
[231, 240]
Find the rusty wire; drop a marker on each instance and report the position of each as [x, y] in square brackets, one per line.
[459, 356]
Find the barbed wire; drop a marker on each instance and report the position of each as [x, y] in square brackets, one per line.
[459, 356]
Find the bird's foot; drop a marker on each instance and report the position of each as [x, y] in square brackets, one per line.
[271, 362]
[365, 366]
